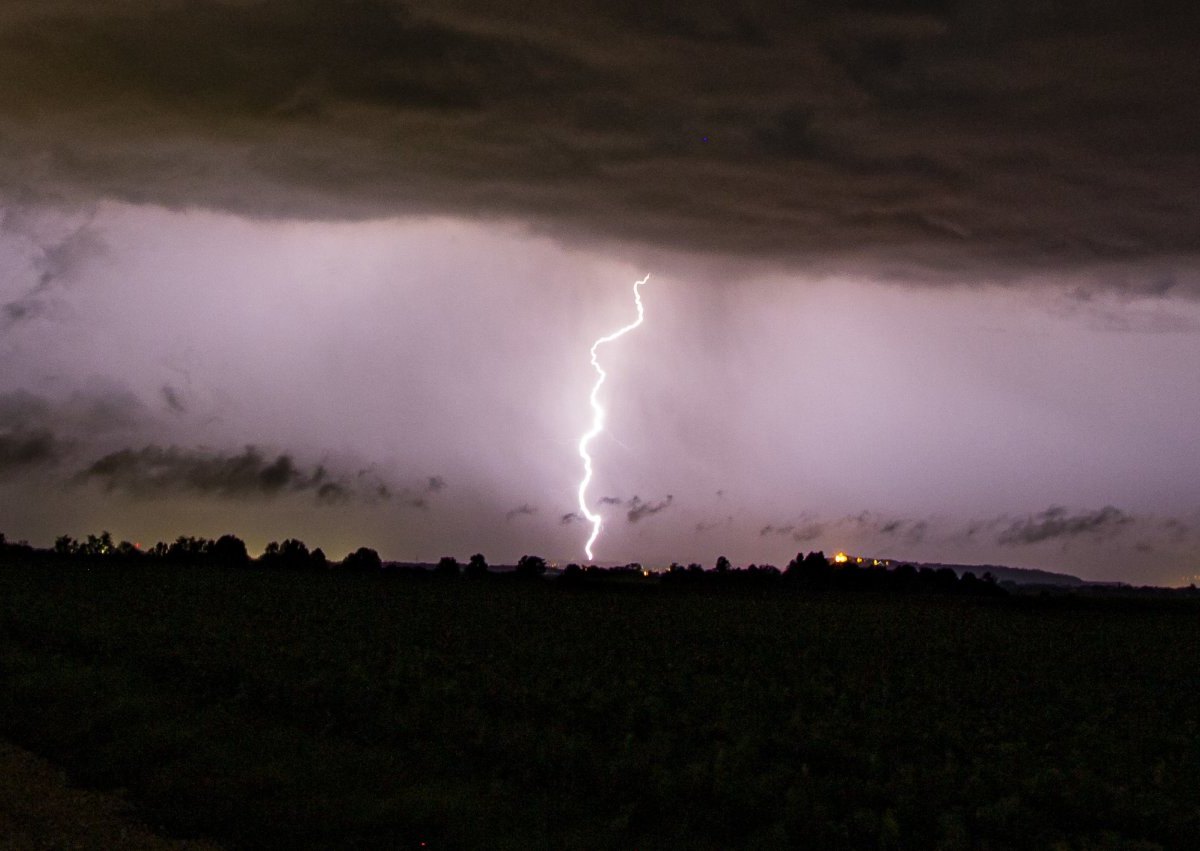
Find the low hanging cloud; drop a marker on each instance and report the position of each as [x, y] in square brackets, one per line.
[865, 525]
[951, 141]
[523, 510]
[801, 533]
[1110, 529]
[173, 399]
[1057, 523]
[369, 486]
[27, 450]
[28, 419]
[771, 529]
[57, 262]
[1175, 530]
[637, 509]
[153, 471]
[37, 432]
[332, 493]
[22, 409]
[708, 525]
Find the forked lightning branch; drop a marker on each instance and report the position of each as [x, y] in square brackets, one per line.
[598, 417]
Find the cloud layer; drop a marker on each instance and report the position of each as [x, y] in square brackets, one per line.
[921, 141]
[155, 470]
[21, 450]
[65, 439]
[1057, 522]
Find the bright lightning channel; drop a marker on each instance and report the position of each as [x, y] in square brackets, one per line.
[598, 418]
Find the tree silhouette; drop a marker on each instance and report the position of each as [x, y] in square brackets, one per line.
[363, 560]
[187, 550]
[229, 550]
[809, 571]
[293, 554]
[529, 567]
[95, 546]
[477, 566]
[128, 551]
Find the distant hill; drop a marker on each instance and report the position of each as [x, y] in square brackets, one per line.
[1017, 575]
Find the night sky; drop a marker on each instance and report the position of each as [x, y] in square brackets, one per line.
[924, 277]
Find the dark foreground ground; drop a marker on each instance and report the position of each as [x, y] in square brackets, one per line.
[272, 710]
[40, 811]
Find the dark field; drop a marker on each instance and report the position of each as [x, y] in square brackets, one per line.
[273, 710]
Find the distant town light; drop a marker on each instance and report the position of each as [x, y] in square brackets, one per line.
[841, 558]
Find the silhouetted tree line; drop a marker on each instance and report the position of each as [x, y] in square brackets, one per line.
[225, 551]
[809, 572]
[815, 572]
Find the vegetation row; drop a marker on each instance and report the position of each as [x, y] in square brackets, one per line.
[811, 571]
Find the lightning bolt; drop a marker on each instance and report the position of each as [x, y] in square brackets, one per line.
[598, 417]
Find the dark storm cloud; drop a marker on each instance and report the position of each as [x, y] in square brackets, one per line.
[172, 397]
[1175, 529]
[905, 529]
[1108, 528]
[522, 510]
[638, 509]
[635, 508]
[103, 409]
[156, 471]
[1057, 523]
[37, 432]
[709, 525]
[865, 524]
[414, 497]
[922, 139]
[24, 450]
[332, 492]
[808, 532]
[1125, 310]
[20, 409]
[57, 262]
[28, 306]
[63, 258]
[369, 486]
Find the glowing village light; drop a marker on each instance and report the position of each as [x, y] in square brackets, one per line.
[598, 418]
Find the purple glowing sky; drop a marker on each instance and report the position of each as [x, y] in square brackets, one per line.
[925, 292]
